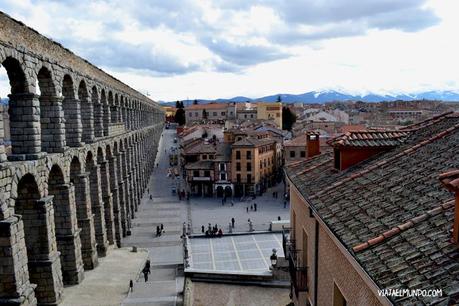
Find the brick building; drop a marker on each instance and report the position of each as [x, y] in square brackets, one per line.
[374, 214]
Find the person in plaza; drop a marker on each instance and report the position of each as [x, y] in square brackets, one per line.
[202, 229]
[131, 286]
[251, 207]
[162, 228]
[232, 222]
[146, 270]
[255, 206]
[247, 209]
[158, 232]
[220, 232]
[278, 218]
[151, 197]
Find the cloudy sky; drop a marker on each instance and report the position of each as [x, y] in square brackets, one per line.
[178, 49]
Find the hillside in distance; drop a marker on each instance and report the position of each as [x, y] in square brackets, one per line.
[332, 95]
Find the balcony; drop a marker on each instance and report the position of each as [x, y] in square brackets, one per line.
[298, 273]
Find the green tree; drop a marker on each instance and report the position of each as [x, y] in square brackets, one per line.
[177, 104]
[288, 118]
[180, 116]
[279, 98]
[195, 102]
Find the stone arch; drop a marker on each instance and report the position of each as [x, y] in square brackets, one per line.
[16, 75]
[24, 132]
[66, 228]
[92, 167]
[72, 113]
[98, 112]
[104, 101]
[42, 257]
[80, 179]
[87, 113]
[51, 113]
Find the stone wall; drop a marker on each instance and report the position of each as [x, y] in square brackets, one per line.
[83, 145]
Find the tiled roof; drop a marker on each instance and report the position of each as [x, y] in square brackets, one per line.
[199, 165]
[207, 106]
[201, 148]
[298, 141]
[391, 212]
[253, 142]
[369, 138]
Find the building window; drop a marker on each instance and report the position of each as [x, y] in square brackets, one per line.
[292, 154]
[251, 116]
[196, 173]
[223, 114]
[222, 167]
[238, 178]
[211, 157]
[238, 154]
[223, 176]
[245, 116]
[249, 178]
[261, 165]
[214, 114]
[338, 297]
[249, 154]
[303, 153]
[207, 173]
[238, 166]
[249, 166]
[204, 156]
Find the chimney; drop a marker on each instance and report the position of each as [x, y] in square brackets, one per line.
[312, 144]
[451, 181]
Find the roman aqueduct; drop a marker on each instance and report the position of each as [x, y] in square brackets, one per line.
[82, 148]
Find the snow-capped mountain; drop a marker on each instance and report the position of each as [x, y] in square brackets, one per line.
[332, 95]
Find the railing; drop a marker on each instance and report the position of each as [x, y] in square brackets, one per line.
[298, 273]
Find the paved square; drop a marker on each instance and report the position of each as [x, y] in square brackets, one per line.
[235, 254]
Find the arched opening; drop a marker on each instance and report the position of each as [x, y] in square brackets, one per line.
[98, 125]
[84, 214]
[66, 229]
[97, 205]
[87, 113]
[122, 187]
[51, 114]
[12, 139]
[114, 110]
[43, 264]
[219, 191]
[228, 192]
[105, 113]
[72, 114]
[113, 182]
[106, 195]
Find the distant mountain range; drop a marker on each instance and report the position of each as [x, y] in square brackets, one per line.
[332, 95]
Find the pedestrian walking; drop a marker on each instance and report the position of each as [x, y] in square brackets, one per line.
[251, 207]
[247, 209]
[151, 197]
[232, 222]
[145, 274]
[131, 286]
[162, 228]
[278, 218]
[255, 206]
[202, 229]
[158, 231]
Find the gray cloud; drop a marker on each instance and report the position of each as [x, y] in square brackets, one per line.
[243, 55]
[122, 56]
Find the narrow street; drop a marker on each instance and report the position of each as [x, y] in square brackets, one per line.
[165, 282]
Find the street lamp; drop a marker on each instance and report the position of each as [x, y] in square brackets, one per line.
[274, 258]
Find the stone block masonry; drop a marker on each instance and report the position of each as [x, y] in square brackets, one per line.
[82, 143]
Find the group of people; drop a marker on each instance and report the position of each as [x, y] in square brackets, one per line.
[252, 207]
[212, 231]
